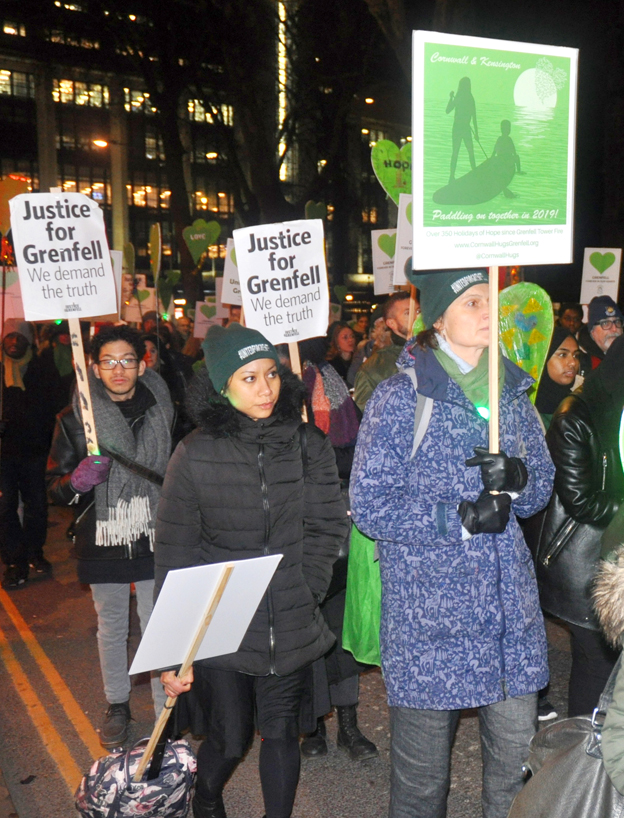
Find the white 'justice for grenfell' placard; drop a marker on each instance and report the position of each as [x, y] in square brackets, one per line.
[283, 279]
[62, 256]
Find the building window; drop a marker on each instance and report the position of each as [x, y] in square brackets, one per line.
[138, 102]
[17, 84]
[154, 148]
[88, 94]
[197, 113]
[16, 29]
[66, 38]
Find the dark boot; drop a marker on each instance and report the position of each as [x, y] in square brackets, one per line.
[115, 727]
[314, 744]
[349, 736]
[207, 808]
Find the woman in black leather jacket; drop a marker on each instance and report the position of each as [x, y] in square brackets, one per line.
[583, 439]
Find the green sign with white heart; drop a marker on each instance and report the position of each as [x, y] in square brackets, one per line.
[602, 261]
[200, 236]
[142, 295]
[393, 167]
[387, 244]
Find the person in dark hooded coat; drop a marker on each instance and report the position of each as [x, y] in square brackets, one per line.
[253, 480]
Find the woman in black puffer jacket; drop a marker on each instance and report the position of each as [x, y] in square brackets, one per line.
[583, 439]
[252, 481]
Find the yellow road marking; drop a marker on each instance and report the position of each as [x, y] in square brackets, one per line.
[52, 741]
[69, 704]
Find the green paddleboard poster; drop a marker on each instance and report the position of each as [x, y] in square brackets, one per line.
[493, 144]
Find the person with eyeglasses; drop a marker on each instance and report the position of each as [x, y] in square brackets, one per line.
[115, 501]
[604, 325]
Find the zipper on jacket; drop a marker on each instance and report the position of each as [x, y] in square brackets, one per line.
[604, 470]
[499, 580]
[267, 531]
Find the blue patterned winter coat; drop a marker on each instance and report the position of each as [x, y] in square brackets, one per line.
[461, 622]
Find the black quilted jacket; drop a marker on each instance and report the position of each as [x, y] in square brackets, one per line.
[235, 489]
[589, 487]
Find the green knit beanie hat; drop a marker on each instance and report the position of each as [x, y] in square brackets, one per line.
[226, 350]
[439, 290]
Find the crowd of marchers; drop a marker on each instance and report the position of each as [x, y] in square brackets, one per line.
[405, 542]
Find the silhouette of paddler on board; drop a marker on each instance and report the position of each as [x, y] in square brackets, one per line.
[465, 112]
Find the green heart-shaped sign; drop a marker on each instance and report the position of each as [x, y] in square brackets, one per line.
[341, 291]
[393, 167]
[315, 210]
[142, 295]
[387, 244]
[208, 310]
[199, 236]
[408, 212]
[155, 249]
[128, 254]
[233, 256]
[526, 324]
[602, 261]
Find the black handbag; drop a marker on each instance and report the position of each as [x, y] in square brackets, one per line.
[568, 777]
[566, 561]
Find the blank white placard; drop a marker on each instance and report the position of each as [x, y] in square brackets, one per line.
[182, 604]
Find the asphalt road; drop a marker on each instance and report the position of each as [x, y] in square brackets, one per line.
[52, 703]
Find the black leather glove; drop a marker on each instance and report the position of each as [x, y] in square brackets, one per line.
[489, 515]
[499, 472]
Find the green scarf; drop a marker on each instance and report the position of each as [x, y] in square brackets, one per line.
[474, 384]
[63, 359]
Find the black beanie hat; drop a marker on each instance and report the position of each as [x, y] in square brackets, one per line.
[439, 290]
[601, 307]
[226, 350]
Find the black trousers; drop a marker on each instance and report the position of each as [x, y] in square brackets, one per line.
[592, 663]
[22, 541]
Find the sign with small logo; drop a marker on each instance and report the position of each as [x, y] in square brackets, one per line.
[283, 279]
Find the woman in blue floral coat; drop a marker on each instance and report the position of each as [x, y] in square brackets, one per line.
[461, 621]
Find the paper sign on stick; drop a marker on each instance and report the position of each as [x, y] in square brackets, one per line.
[493, 151]
[283, 279]
[222, 312]
[62, 256]
[383, 244]
[13, 307]
[205, 316]
[181, 605]
[404, 240]
[601, 272]
[231, 285]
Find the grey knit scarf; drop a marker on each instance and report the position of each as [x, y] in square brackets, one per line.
[125, 503]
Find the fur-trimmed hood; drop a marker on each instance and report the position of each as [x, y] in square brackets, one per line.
[608, 596]
[214, 414]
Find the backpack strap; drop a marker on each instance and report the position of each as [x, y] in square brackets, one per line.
[422, 415]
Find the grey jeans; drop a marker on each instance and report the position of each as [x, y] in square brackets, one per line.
[112, 606]
[420, 755]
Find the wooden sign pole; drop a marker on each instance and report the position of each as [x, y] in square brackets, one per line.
[211, 607]
[295, 365]
[82, 383]
[82, 377]
[493, 362]
[412, 311]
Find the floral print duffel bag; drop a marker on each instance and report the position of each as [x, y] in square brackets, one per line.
[107, 790]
